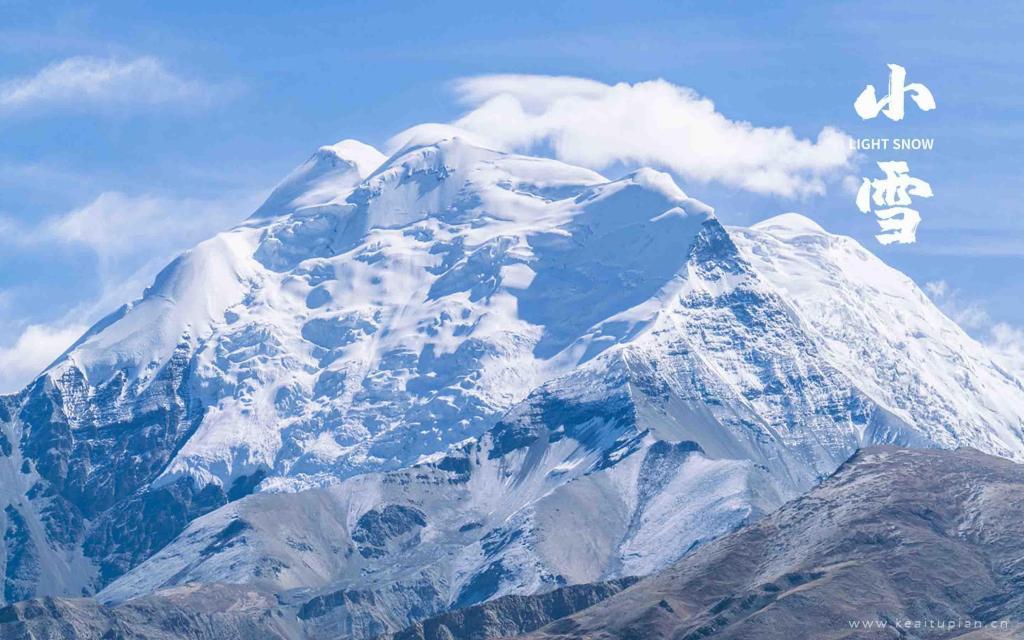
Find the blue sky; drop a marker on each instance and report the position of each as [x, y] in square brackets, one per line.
[206, 106]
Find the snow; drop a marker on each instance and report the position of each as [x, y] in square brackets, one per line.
[186, 300]
[789, 225]
[430, 133]
[328, 176]
[878, 327]
[365, 158]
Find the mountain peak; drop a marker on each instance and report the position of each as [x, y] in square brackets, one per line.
[792, 222]
[327, 177]
[657, 180]
[432, 133]
[365, 158]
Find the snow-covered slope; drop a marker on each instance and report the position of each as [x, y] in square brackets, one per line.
[367, 327]
[881, 330]
[374, 312]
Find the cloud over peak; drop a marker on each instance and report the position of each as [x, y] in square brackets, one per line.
[596, 125]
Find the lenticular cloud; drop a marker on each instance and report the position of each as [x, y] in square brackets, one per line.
[589, 123]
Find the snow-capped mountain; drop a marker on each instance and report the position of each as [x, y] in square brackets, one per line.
[633, 377]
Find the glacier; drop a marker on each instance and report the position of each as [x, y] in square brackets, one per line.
[423, 381]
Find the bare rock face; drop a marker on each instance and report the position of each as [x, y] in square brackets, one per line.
[209, 612]
[897, 544]
[511, 615]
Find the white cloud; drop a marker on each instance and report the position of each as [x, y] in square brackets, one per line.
[1005, 341]
[937, 288]
[1008, 342]
[968, 315]
[101, 81]
[125, 230]
[35, 348]
[116, 224]
[597, 125]
[8, 227]
[134, 236]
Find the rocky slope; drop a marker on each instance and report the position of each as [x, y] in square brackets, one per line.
[896, 535]
[508, 616]
[226, 612]
[218, 612]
